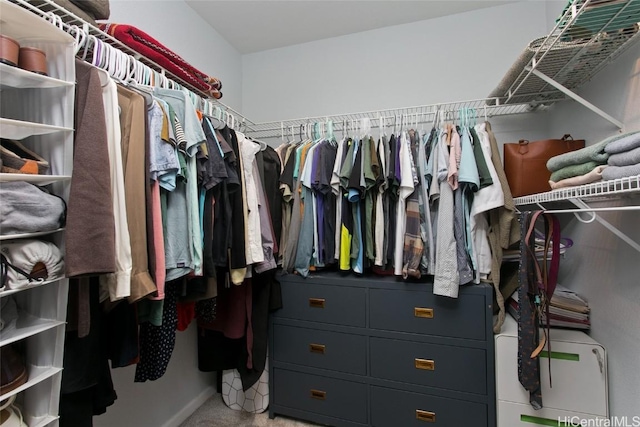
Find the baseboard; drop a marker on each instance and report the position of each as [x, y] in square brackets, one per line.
[190, 408]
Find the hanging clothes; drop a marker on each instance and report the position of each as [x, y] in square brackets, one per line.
[132, 125]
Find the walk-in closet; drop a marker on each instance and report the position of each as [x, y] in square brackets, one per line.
[302, 213]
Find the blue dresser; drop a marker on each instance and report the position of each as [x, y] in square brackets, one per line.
[376, 351]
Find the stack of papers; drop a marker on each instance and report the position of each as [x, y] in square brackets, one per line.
[510, 255]
[566, 310]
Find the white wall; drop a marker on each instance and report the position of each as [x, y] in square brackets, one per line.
[177, 26]
[170, 400]
[166, 402]
[601, 266]
[446, 59]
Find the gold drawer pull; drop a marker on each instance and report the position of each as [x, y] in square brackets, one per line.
[426, 313]
[316, 348]
[427, 365]
[427, 416]
[316, 302]
[317, 394]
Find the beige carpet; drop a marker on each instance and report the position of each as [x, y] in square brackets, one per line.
[214, 413]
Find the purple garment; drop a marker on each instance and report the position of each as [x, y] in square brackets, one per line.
[315, 179]
[325, 202]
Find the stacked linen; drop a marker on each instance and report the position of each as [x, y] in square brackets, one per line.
[578, 167]
[624, 157]
[591, 163]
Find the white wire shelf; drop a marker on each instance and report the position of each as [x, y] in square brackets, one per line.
[587, 37]
[409, 115]
[594, 191]
[43, 7]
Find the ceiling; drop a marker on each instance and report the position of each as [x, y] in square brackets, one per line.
[254, 26]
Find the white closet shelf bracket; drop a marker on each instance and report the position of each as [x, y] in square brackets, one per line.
[575, 96]
[583, 207]
[601, 190]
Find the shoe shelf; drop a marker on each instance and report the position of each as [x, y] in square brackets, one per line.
[40, 421]
[14, 77]
[6, 292]
[38, 111]
[34, 179]
[19, 129]
[37, 374]
[22, 26]
[28, 326]
[28, 235]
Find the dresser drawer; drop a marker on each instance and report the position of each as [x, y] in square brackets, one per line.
[521, 415]
[340, 305]
[321, 349]
[424, 313]
[441, 366]
[395, 408]
[321, 395]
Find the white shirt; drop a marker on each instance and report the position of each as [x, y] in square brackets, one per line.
[116, 285]
[253, 244]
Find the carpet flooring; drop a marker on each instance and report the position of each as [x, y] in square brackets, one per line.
[214, 413]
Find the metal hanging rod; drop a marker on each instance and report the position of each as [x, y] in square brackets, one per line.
[485, 107]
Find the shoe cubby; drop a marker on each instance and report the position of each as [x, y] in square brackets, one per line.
[37, 111]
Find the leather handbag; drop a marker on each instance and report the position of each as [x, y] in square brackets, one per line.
[525, 163]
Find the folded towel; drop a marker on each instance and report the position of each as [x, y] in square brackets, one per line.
[614, 172]
[143, 43]
[627, 143]
[626, 158]
[573, 170]
[593, 152]
[593, 176]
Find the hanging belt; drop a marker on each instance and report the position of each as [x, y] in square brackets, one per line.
[537, 285]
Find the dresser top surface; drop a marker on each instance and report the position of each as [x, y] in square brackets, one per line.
[374, 281]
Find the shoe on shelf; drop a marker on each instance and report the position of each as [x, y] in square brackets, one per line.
[13, 372]
[10, 414]
[16, 158]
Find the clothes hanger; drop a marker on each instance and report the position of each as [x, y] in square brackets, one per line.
[79, 36]
[87, 43]
[96, 58]
[55, 19]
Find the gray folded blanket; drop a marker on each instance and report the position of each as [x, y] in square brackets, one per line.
[574, 170]
[625, 158]
[593, 153]
[629, 142]
[614, 172]
[98, 8]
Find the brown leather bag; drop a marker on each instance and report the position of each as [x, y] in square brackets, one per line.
[525, 163]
